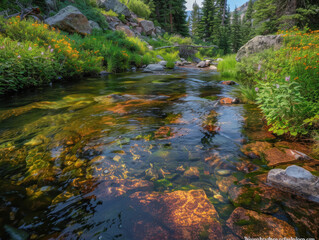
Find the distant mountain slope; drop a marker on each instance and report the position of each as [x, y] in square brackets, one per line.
[242, 9]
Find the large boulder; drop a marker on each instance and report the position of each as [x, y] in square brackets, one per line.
[259, 44]
[71, 20]
[296, 180]
[147, 26]
[115, 6]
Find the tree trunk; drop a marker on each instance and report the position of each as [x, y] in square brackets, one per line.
[171, 17]
[224, 12]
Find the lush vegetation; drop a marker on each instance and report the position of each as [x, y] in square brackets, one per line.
[34, 54]
[286, 83]
[138, 7]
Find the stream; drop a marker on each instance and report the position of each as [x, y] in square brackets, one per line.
[129, 156]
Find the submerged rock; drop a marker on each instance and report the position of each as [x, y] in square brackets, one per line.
[296, 180]
[192, 172]
[249, 223]
[177, 215]
[16, 234]
[255, 149]
[276, 156]
[223, 172]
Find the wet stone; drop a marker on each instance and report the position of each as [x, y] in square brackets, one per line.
[229, 101]
[228, 82]
[247, 223]
[276, 156]
[296, 180]
[188, 215]
[255, 149]
[192, 173]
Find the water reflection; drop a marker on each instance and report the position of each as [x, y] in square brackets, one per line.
[86, 160]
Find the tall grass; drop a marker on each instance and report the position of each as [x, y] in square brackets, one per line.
[227, 67]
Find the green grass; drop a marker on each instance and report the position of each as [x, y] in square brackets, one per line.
[227, 67]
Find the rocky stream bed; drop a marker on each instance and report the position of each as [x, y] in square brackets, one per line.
[171, 155]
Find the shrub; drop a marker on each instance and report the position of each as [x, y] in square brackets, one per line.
[25, 65]
[72, 61]
[138, 7]
[118, 51]
[287, 83]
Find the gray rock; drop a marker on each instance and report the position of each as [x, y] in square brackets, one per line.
[219, 59]
[113, 22]
[51, 4]
[298, 172]
[259, 44]
[126, 30]
[196, 60]
[163, 63]
[71, 20]
[139, 30]
[104, 73]
[179, 63]
[147, 26]
[207, 62]
[160, 57]
[202, 64]
[94, 25]
[115, 6]
[296, 180]
[154, 67]
[158, 30]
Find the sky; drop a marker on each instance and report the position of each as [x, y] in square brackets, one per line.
[231, 3]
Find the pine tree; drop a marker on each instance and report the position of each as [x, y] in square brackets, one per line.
[195, 20]
[206, 27]
[236, 32]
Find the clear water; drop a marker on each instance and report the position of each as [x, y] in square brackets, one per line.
[62, 147]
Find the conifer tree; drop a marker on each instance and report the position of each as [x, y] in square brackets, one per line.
[206, 27]
[195, 20]
[236, 32]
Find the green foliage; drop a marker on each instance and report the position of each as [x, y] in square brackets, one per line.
[169, 56]
[118, 51]
[177, 39]
[25, 65]
[138, 7]
[27, 68]
[286, 82]
[227, 67]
